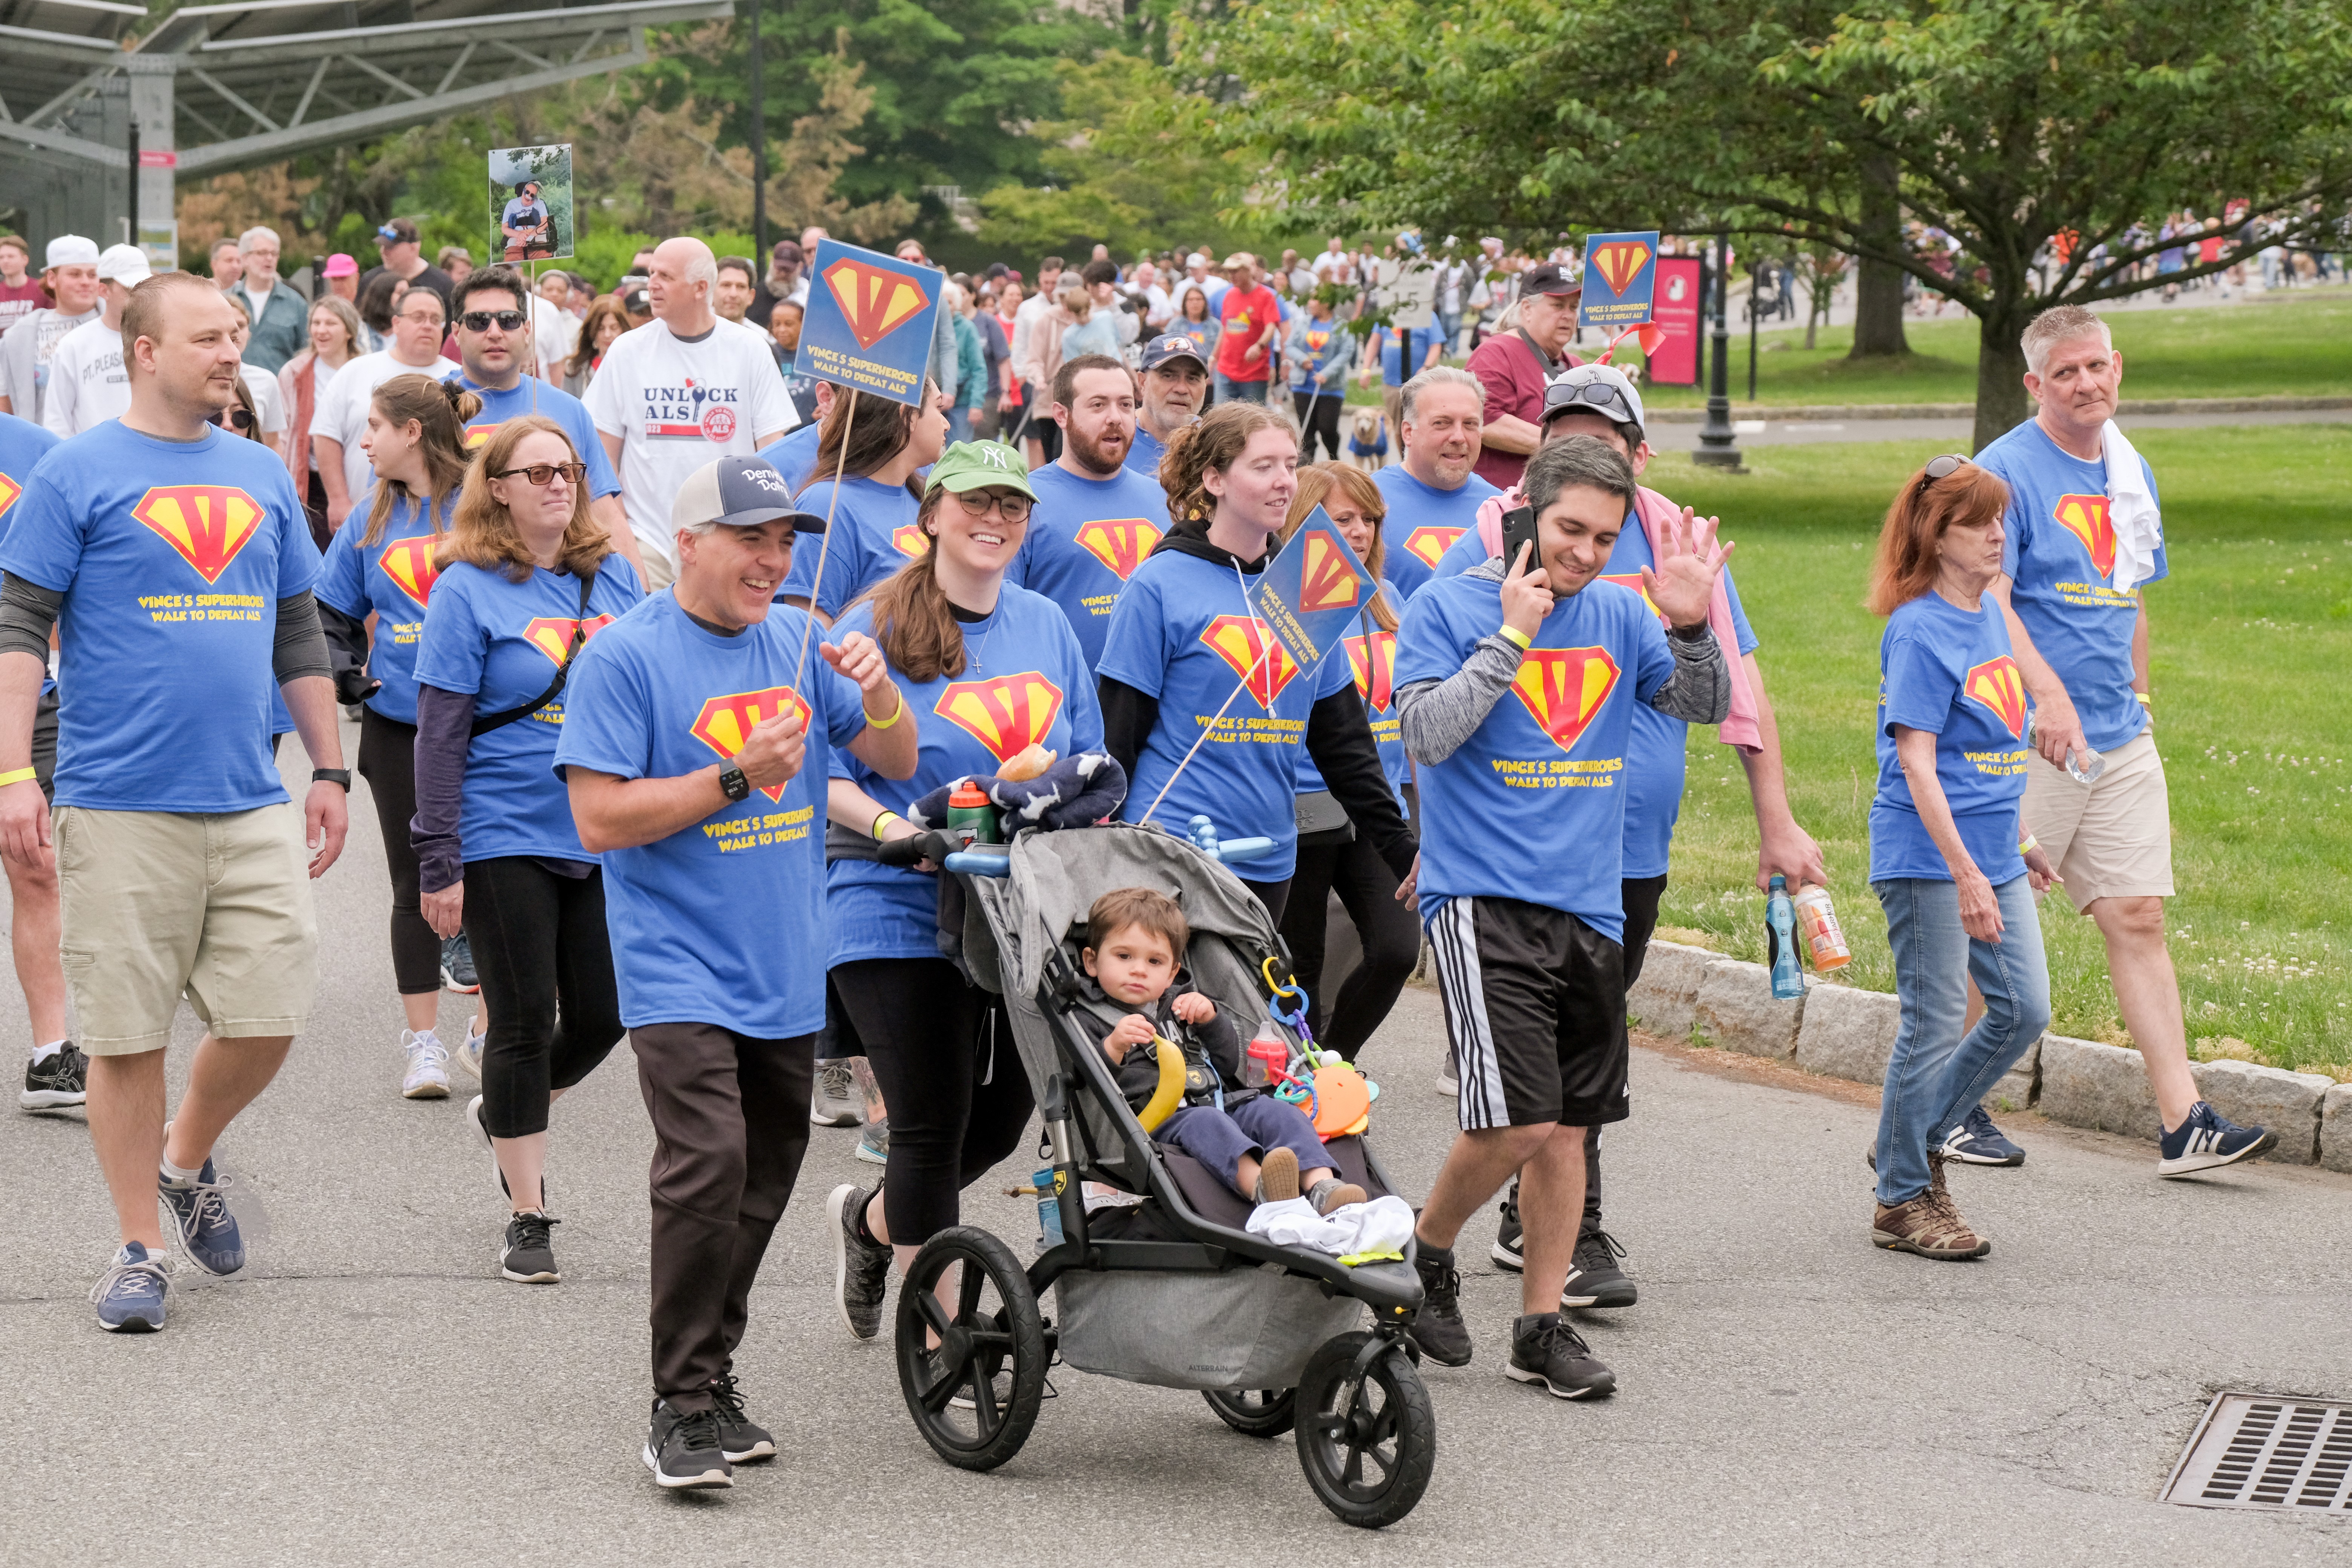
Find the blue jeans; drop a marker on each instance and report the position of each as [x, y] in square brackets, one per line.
[959, 424]
[1230, 391]
[1936, 1075]
[1451, 326]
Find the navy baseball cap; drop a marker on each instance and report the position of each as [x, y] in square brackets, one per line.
[1175, 345]
[739, 493]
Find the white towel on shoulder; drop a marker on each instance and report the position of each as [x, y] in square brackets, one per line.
[2131, 511]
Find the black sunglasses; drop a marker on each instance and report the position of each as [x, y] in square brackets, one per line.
[479, 320]
[1942, 468]
[1599, 393]
[240, 417]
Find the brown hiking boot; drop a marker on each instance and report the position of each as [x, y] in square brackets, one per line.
[1929, 1224]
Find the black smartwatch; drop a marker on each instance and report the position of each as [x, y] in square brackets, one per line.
[731, 780]
[333, 776]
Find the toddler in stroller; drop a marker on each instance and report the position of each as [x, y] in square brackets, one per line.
[1266, 1149]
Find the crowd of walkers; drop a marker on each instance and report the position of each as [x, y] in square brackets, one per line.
[647, 702]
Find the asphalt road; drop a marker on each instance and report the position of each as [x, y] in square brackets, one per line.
[371, 1392]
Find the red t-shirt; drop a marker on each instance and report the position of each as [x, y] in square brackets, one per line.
[1514, 376]
[19, 300]
[1245, 318]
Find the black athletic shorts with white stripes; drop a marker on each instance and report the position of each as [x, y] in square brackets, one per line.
[1535, 1014]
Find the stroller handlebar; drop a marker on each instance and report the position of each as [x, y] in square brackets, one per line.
[995, 861]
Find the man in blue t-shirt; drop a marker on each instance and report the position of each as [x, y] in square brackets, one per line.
[2081, 537]
[699, 772]
[1175, 381]
[1432, 496]
[176, 564]
[1095, 519]
[1517, 690]
[492, 325]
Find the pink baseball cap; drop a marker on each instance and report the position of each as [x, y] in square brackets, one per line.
[341, 266]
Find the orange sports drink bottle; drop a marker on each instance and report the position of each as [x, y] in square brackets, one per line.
[1817, 923]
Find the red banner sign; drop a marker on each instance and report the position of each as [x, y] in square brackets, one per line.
[1675, 307]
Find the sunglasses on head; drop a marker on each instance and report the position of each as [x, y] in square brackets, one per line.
[1942, 468]
[1599, 393]
[481, 321]
[539, 475]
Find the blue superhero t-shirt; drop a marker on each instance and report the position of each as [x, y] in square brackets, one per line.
[531, 396]
[1184, 632]
[1949, 671]
[21, 444]
[393, 578]
[657, 696]
[1086, 539]
[501, 643]
[1025, 681]
[1424, 522]
[873, 534]
[794, 455]
[1532, 805]
[172, 556]
[2058, 547]
[1143, 455]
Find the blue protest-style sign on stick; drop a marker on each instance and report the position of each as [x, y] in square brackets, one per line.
[870, 322]
[1313, 592]
[1621, 275]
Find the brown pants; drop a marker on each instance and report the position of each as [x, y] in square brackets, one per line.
[731, 1124]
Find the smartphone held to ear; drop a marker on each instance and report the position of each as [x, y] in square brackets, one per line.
[1519, 529]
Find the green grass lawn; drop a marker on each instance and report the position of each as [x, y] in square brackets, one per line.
[2253, 683]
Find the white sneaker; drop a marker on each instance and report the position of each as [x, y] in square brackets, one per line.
[1447, 1080]
[469, 1055]
[428, 1071]
[833, 1096]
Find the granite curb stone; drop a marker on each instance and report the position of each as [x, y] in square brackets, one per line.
[1667, 992]
[2336, 1128]
[1737, 1011]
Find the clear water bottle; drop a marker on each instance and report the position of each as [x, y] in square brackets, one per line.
[2082, 766]
[1781, 941]
[1268, 1054]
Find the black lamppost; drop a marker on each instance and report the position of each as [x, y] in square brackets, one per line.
[1717, 444]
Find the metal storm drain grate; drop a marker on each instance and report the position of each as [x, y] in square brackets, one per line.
[2260, 1450]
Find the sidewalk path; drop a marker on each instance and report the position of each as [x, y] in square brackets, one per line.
[372, 1394]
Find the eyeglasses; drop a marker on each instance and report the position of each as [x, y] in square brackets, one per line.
[481, 321]
[539, 474]
[420, 318]
[1942, 468]
[242, 418]
[1011, 509]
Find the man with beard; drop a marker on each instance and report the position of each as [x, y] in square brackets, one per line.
[1096, 520]
[1175, 386]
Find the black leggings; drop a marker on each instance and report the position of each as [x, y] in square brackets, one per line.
[1390, 931]
[1275, 896]
[1318, 418]
[388, 763]
[540, 946]
[942, 1052]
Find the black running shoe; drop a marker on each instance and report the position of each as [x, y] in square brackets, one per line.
[861, 1269]
[682, 1451]
[529, 1255]
[55, 1081]
[1594, 1278]
[1438, 1330]
[457, 965]
[741, 1439]
[1509, 1240]
[1545, 1350]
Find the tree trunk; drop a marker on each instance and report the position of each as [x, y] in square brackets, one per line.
[2001, 403]
[1878, 287]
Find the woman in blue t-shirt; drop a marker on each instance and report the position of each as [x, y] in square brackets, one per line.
[1336, 857]
[1195, 319]
[1955, 867]
[1320, 350]
[1200, 706]
[381, 562]
[988, 670]
[527, 578]
[879, 455]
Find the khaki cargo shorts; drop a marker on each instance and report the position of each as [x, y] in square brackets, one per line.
[160, 904]
[2111, 838]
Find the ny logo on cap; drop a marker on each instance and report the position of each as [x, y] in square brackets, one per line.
[995, 455]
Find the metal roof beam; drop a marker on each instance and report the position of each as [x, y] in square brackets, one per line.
[404, 35]
[312, 91]
[235, 101]
[64, 146]
[385, 76]
[51, 108]
[450, 76]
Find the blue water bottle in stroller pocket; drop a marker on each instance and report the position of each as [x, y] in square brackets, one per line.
[1049, 1205]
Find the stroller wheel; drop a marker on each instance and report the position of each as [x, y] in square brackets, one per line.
[975, 1396]
[1369, 1455]
[1254, 1411]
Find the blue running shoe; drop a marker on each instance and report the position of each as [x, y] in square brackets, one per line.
[200, 1217]
[130, 1295]
[1976, 1141]
[2206, 1140]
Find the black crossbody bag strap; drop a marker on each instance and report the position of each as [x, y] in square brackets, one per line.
[485, 722]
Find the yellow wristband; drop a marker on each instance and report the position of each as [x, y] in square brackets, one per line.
[19, 777]
[2028, 845]
[1519, 637]
[898, 712]
[886, 817]
[2143, 698]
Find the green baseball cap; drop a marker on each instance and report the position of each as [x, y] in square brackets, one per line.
[975, 465]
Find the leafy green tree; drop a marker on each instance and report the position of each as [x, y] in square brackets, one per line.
[2006, 123]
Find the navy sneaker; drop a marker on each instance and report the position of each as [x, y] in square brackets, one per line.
[1976, 1141]
[2206, 1140]
[130, 1295]
[200, 1218]
[457, 965]
[55, 1081]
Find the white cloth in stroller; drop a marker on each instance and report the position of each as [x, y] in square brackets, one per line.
[1352, 1232]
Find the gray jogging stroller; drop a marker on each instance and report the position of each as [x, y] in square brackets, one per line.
[1171, 1290]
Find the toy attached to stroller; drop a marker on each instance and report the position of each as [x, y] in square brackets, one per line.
[1163, 1284]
